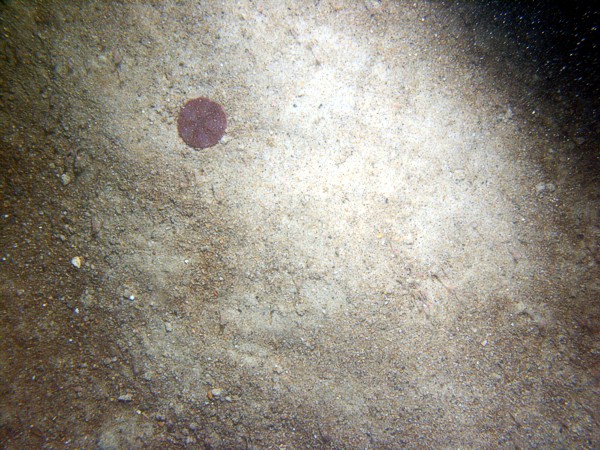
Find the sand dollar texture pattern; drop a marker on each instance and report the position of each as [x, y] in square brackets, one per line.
[201, 122]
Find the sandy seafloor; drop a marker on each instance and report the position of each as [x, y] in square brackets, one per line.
[395, 245]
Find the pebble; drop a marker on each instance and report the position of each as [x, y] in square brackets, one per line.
[77, 262]
[109, 361]
[216, 394]
[65, 179]
[125, 398]
[543, 187]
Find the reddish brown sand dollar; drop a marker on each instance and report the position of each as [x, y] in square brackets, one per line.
[201, 123]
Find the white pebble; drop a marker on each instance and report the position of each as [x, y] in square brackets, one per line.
[77, 262]
[65, 179]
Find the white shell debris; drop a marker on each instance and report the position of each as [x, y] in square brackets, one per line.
[77, 262]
